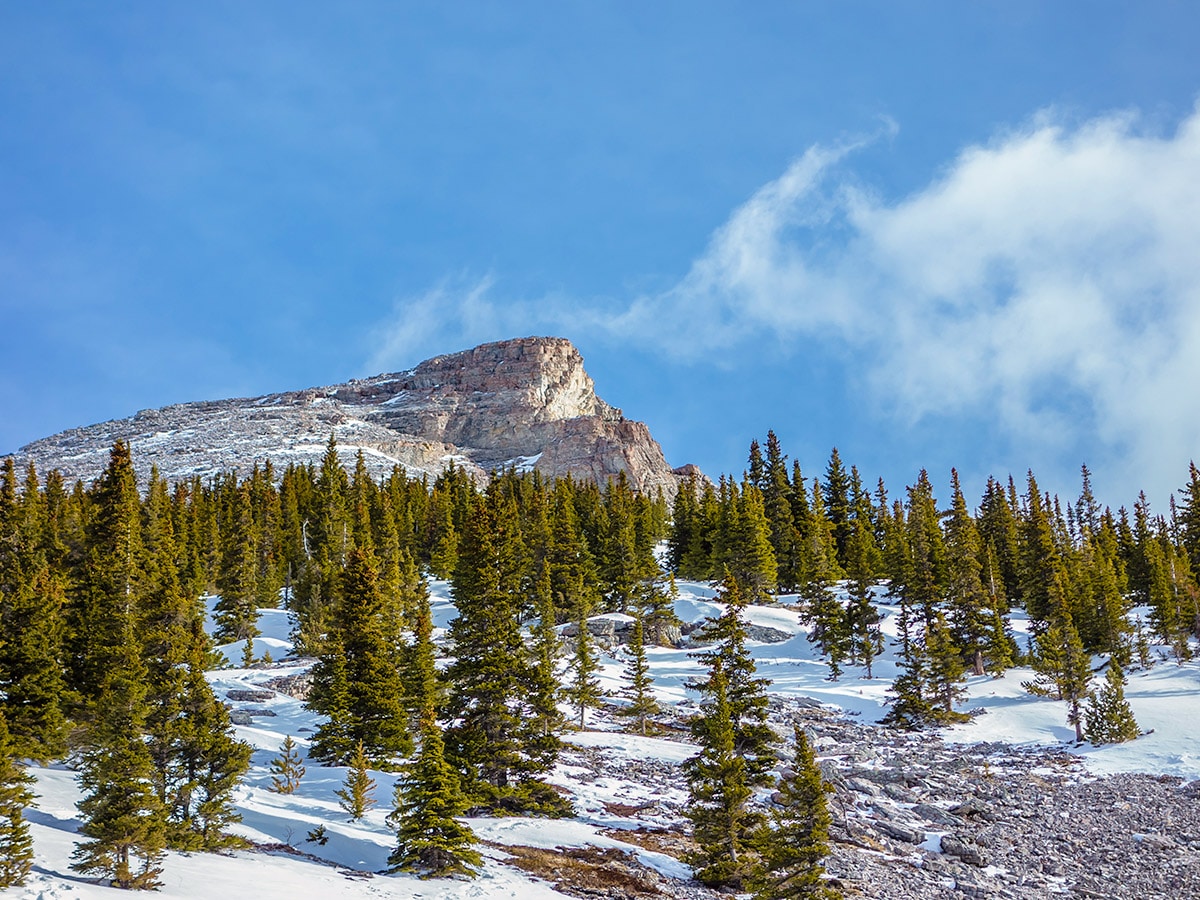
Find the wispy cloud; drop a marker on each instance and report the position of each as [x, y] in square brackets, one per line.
[1048, 280]
[458, 310]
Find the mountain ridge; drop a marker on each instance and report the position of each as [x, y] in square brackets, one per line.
[524, 403]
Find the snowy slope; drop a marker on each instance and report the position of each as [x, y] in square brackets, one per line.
[607, 772]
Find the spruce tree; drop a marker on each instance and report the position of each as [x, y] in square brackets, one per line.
[496, 735]
[861, 616]
[744, 694]
[123, 818]
[750, 558]
[971, 611]
[777, 504]
[197, 761]
[109, 584]
[1040, 561]
[824, 613]
[1062, 667]
[638, 690]
[1189, 517]
[31, 678]
[373, 690]
[544, 685]
[329, 695]
[584, 690]
[16, 795]
[726, 830]
[357, 793]
[286, 768]
[837, 503]
[236, 613]
[211, 763]
[945, 672]
[31, 621]
[798, 839]
[430, 841]
[1108, 717]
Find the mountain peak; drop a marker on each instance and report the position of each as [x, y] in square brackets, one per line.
[522, 402]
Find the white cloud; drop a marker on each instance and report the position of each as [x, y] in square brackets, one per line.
[457, 310]
[1050, 279]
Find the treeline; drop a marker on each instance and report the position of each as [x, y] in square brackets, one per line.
[1078, 570]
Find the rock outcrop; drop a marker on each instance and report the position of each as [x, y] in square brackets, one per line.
[522, 403]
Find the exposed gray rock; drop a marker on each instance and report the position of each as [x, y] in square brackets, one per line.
[249, 696]
[968, 853]
[766, 634]
[296, 686]
[900, 832]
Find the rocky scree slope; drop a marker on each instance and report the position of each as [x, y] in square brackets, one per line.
[524, 402]
[919, 819]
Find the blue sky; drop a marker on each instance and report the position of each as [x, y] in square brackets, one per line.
[932, 234]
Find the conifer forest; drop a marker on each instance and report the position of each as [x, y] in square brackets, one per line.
[106, 589]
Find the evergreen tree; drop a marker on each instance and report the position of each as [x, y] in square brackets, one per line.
[569, 562]
[925, 575]
[428, 794]
[686, 525]
[997, 526]
[543, 678]
[1108, 718]
[236, 614]
[123, 818]
[584, 691]
[744, 698]
[777, 504]
[1173, 596]
[724, 827]
[211, 763]
[829, 628]
[945, 672]
[1040, 560]
[1063, 669]
[374, 693]
[286, 768]
[109, 583]
[496, 735]
[357, 793]
[798, 840]
[31, 678]
[430, 841]
[642, 704]
[197, 761]
[1189, 518]
[31, 610]
[861, 617]
[971, 610]
[656, 607]
[329, 695]
[823, 611]
[749, 557]
[16, 795]
[837, 504]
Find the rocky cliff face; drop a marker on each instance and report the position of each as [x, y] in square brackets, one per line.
[525, 402]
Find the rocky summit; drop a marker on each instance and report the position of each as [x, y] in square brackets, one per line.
[521, 403]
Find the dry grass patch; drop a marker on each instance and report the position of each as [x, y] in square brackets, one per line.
[584, 871]
[675, 844]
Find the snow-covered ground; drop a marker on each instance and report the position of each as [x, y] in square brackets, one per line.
[1166, 701]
